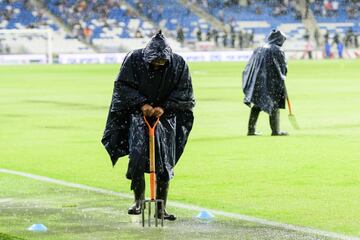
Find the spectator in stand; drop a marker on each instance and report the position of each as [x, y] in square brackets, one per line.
[297, 14]
[335, 7]
[336, 39]
[2, 48]
[232, 32]
[188, 7]
[340, 48]
[307, 35]
[328, 8]
[221, 16]
[81, 6]
[233, 39]
[251, 38]
[317, 9]
[199, 34]
[349, 38]
[241, 39]
[326, 36]
[276, 11]
[160, 11]
[208, 35]
[230, 3]
[75, 33]
[138, 34]
[258, 10]
[339, 45]
[225, 39]
[9, 12]
[138, 5]
[352, 9]
[308, 49]
[317, 37]
[307, 6]
[328, 53]
[88, 34]
[180, 35]
[205, 4]
[215, 34]
[279, 7]
[28, 5]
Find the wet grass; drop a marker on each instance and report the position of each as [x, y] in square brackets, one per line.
[79, 106]
[4, 236]
[78, 214]
[52, 118]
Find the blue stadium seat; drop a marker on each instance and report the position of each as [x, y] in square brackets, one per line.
[171, 14]
[22, 17]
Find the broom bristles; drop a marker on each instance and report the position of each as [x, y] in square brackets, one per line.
[293, 122]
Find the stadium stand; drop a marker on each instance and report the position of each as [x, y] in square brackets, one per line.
[100, 17]
[120, 25]
[108, 25]
[172, 15]
[258, 18]
[338, 19]
[115, 25]
[23, 14]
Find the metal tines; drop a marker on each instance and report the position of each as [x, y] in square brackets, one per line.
[147, 204]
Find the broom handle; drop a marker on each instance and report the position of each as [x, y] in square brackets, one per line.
[152, 157]
[289, 105]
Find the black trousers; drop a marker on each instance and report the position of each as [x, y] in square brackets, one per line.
[274, 120]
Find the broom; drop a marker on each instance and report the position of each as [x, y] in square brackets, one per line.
[292, 117]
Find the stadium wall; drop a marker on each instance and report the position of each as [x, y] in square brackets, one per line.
[117, 58]
[218, 56]
[23, 59]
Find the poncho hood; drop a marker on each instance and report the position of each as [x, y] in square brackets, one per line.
[276, 37]
[157, 48]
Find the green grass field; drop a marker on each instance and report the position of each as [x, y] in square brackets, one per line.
[79, 214]
[52, 119]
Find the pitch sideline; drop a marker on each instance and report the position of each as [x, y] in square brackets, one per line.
[187, 207]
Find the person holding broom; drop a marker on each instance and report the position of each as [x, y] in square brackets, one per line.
[263, 83]
[153, 82]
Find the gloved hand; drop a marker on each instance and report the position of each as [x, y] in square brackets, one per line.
[147, 110]
[158, 111]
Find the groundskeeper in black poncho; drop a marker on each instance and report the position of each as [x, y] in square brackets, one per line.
[264, 83]
[152, 82]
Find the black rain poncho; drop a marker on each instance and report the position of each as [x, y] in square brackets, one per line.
[126, 132]
[264, 75]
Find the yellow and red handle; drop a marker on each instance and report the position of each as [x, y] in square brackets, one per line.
[152, 157]
[289, 105]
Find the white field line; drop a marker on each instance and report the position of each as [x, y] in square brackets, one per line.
[188, 207]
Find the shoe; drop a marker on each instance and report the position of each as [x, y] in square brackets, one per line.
[167, 216]
[162, 193]
[280, 133]
[274, 120]
[254, 133]
[135, 209]
[138, 186]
